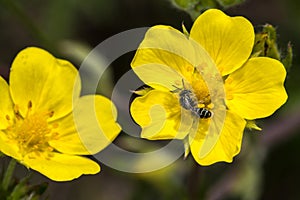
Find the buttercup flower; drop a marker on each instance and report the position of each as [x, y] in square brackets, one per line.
[213, 62]
[45, 124]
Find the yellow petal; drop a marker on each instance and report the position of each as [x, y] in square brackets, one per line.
[90, 129]
[227, 146]
[6, 105]
[49, 83]
[69, 140]
[160, 116]
[166, 56]
[256, 90]
[9, 147]
[228, 40]
[62, 167]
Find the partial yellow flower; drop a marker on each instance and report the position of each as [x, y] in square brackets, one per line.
[45, 124]
[214, 59]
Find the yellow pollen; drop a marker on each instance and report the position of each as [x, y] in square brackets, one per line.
[55, 125]
[190, 69]
[201, 105]
[201, 92]
[210, 106]
[197, 84]
[32, 133]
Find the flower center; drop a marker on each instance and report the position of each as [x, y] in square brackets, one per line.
[32, 132]
[201, 92]
[200, 89]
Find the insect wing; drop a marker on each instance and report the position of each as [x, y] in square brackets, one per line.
[186, 121]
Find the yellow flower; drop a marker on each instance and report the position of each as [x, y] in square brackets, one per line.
[45, 124]
[213, 62]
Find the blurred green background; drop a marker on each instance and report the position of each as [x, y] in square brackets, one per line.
[268, 166]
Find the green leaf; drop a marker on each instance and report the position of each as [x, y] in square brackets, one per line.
[196, 7]
[19, 190]
[266, 45]
[25, 191]
[287, 60]
[229, 3]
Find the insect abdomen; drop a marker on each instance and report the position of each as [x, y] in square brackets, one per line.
[202, 112]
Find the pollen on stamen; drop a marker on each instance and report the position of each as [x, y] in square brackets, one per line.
[201, 105]
[31, 156]
[50, 149]
[51, 113]
[55, 125]
[50, 154]
[33, 133]
[229, 80]
[7, 117]
[17, 112]
[190, 68]
[55, 136]
[210, 106]
[29, 106]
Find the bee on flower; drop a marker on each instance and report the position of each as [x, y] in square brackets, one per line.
[188, 101]
[220, 77]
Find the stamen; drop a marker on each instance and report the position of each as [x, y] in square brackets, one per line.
[7, 117]
[17, 112]
[16, 109]
[55, 136]
[55, 125]
[229, 80]
[51, 113]
[210, 106]
[32, 132]
[201, 105]
[190, 69]
[29, 105]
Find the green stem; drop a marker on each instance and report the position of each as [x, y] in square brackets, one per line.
[8, 174]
